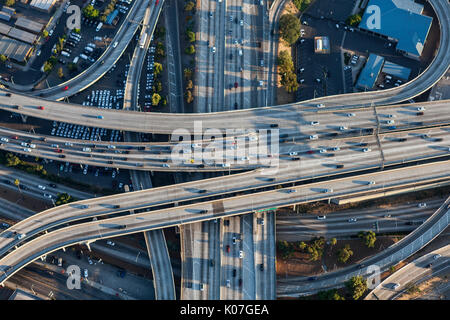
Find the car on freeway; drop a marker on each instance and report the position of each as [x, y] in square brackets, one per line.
[314, 123]
[436, 256]
[241, 254]
[320, 105]
[41, 187]
[367, 150]
[321, 217]
[313, 137]
[228, 283]
[422, 205]
[227, 248]
[395, 286]
[312, 278]
[327, 190]
[66, 88]
[85, 273]
[352, 220]
[111, 243]
[420, 109]
[47, 195]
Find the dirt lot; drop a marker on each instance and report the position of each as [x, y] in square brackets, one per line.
[284, 97]
[300, 265]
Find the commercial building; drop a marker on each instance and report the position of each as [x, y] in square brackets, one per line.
[396, 70]
[370, 72]
[399, 21]
[5, 16]
[9, 10]
[29, 25]
[322, 45]
[42, 5]
[14, 49]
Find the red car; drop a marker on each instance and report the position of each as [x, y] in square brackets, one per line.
[157, 1]
[58, 150]
[228, 248]
[236, 85]
[41, 108]
[15, 137]
[310, 151]
[66, 88]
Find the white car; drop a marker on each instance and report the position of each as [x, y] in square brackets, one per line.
[422, 205]
[115, 44]
[343, 128]
[327, 190]
[293, 153]
[352, 220]
[367, 150]
[41, 187]
[313, 137]
[314, 123]
[421, 109]
[27, 149]
[109, 242]
[38, 53]
[321, 217]
[436, 256]
[213, 49]
[49, 196]
[371, 182]
[241, 254]
[321, 105]
[85, 273]
[4, 139]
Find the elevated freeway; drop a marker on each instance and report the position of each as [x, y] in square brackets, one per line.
[86, 232]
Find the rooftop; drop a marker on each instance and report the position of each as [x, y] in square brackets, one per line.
[414, 29]
[370, 72]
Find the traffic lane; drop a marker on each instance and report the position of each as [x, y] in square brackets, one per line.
[162, 123]
[162, 194]
[164, 218]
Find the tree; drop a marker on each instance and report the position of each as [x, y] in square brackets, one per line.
[285, 62]
[329, 295]
[190, 49]
[160, 50]
[60, 72]
[90, 12]
[158, 86]
[12, 160]
[45, 33]
[63, 198]
[158, 68]
[10, 3]
[155, 99]
[187, 73]
[289, 81]
[48, 66]
[302, 4]
[302, 245]
[189, 96]
[189, 6]
[369, 238]
[17, 182]
[354, 20]
[3, 58]
[189, 84]
[289, 28]
[344, 254]
[77, 30]
[357, 286]
[190, 36]
[333, 241]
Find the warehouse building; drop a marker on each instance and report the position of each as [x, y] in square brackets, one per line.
[370, 72]
[29, 25]
[14, 49]
[42, 5]
[322, 45]
[401, 21]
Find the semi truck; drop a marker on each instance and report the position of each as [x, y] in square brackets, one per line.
[142, 41]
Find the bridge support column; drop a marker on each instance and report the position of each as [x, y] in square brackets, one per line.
[88, 246]
[64, 249]
[24, 118]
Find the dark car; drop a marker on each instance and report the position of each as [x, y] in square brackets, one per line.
[203, 211]
[429, 265]
[228, 248]
[52, 185]
[234, 272]
[121, 273]
[211, 263]
[274, 125]
[419, 113]
[261, 267]
[339, 166]
[312, 278]
[122, 226]
[202, 191]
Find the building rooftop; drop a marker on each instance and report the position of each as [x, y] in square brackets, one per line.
[29, 25]
[42, 4]
[370, 72]
[321, 45]
[396, 70]
[412, 34]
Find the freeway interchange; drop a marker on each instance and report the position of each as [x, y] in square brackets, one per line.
[412, 140]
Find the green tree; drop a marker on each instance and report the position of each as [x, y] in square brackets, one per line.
[187, 73]
[60, 72]
[17, 182]
[160, 50]
[289, 28]
[63, 198]
[354, 20]
[329, 295]
[285, 62]
[302, 245]
[158, 68]
[155, 99]
[12, 160]
[333, 241]
[45, 33]
[189, 96]
[190, 49]
[344, 254]
[189, 6]
[289, 81]
[190, 36]
[302, 4]
[369, 238]
[48, 66]
[189, 84]
[10, 3]
[77, 30]
[90, 12]
[158, 86]
[357, 286]
[3, 58]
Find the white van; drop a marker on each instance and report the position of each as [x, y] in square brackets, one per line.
[100, 25]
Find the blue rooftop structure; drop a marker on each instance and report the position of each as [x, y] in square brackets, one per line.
[396, 70]
[369, 74]
[401, 20]
[111, 16]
